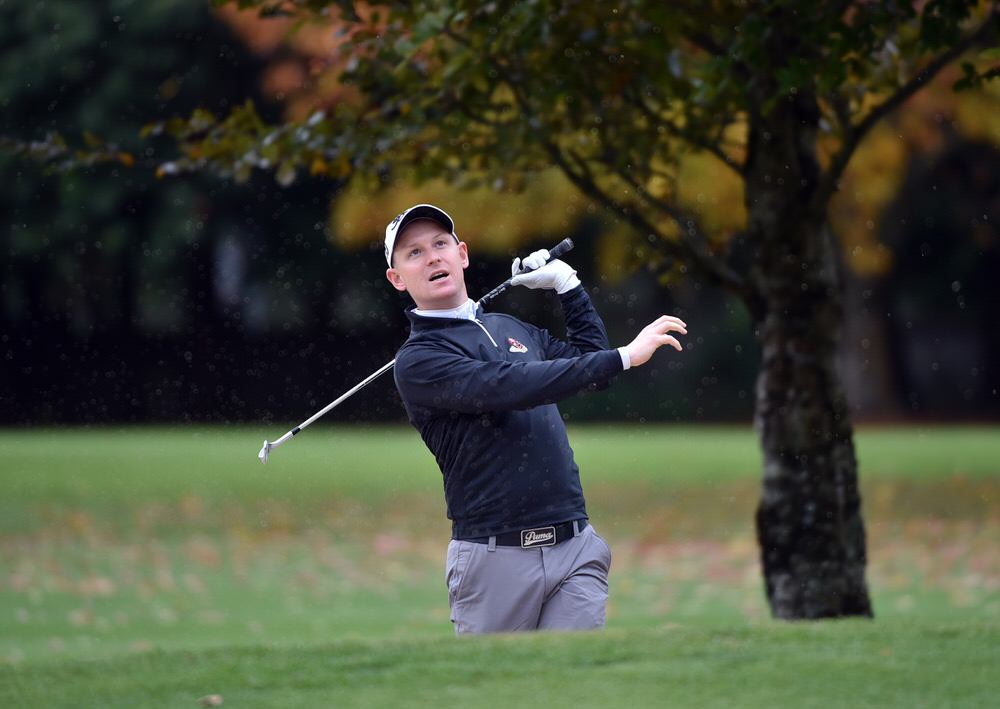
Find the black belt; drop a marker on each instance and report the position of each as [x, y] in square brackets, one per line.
[535, 536]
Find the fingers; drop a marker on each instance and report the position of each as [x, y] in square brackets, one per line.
[532, 262]
[667, 323]
[669, 318]
[536, 259]
[668, 340]
[654, 336]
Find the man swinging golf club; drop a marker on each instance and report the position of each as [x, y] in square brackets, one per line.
[481, 388]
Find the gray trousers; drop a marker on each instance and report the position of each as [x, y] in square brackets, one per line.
[503, 589]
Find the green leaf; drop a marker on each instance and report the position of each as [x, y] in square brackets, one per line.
[429, 26]
[151, 129]
[242, 172]
[286, 173]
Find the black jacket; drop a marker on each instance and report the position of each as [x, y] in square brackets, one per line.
[482, 394]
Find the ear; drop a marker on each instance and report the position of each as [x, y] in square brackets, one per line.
[463, 250]
[392, 275]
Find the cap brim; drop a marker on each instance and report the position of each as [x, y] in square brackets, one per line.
[425, 211]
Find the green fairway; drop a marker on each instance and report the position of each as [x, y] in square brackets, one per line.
[116, 464]
[151, 566]
[845, 664]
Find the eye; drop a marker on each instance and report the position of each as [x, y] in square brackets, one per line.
[414, 252]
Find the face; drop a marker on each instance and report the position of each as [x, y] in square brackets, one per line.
[430, 266]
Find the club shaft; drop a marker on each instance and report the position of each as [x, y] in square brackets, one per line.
[346, 395]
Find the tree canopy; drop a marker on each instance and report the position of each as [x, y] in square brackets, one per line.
[614, 96]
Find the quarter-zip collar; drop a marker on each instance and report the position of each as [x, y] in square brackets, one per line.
[429, 320]
[465, 311]
[420, 321]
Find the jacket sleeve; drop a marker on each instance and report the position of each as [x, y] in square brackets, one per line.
[436, 378]
[584, 328]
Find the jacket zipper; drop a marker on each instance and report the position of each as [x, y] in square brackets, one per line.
[480, 324]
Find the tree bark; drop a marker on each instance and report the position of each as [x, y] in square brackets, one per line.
[809, 524]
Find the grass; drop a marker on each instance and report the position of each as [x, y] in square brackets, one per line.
[120, 463]
[151, 566]
[844, 664]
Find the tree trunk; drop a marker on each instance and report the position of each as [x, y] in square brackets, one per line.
[809, 524]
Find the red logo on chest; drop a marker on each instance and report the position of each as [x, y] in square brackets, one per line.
[516, 346]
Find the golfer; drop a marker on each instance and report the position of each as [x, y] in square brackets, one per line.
[481, 388]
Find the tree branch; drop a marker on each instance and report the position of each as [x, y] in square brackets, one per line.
[676, 131]
[855, 133]
[479, 117]
[584, 180]
[842, 111]
[576, 170]
[696, 242]
[693, 22]
[582, 177]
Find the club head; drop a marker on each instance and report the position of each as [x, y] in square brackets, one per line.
[265, 451]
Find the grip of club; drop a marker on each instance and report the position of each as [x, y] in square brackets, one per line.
[555, 252]
[561, 248]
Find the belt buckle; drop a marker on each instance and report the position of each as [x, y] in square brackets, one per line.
[538, 537]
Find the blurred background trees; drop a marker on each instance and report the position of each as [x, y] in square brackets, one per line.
[127, 297]
[130, 298]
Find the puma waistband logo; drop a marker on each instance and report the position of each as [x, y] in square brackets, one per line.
[538, 537]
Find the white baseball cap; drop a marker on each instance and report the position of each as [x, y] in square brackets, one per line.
[417, 211]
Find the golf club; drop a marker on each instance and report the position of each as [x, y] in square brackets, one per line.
[265, 452]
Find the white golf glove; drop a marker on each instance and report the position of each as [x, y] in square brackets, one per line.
[556, 275]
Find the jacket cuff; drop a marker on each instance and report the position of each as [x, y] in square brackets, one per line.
[573, 293]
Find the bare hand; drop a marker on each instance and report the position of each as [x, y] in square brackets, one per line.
[654, 336]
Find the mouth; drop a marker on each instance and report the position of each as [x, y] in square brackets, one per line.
[438, 275]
